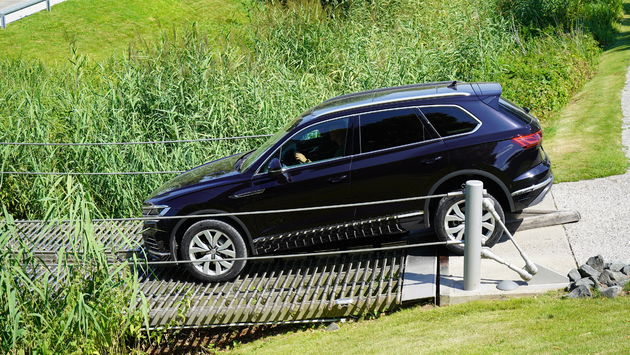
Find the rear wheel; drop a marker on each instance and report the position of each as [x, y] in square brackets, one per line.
[208, 244]
[450, 222]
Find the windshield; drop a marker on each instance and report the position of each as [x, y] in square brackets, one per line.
[270, 142]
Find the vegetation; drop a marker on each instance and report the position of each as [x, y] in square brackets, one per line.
[98, 28]
[80, 304]
[544, 324]
[291, 56]
[584, 139]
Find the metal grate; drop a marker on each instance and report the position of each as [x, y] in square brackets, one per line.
[278, 291]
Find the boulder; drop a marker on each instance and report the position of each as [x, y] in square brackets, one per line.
[616, 267]
[596, 262]
[618, 276]
[332, 327]
[586, 281]
[611, 292]
[596, 284]
[580, 292]
[626, 270]
[574, 275]
[607, 278]
[587, 270]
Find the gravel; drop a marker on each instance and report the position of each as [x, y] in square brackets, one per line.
[604, 205]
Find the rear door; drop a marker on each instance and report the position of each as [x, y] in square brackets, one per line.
[400, 157]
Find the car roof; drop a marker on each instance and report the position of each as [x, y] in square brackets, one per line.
[434, 90]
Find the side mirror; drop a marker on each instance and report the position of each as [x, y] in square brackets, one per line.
[526, 109]
[275, 167]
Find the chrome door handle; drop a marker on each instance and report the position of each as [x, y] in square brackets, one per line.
[337, 179]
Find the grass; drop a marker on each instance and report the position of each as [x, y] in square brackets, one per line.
[100, 28]
[584, 139]
[286, 58]
[544, 324]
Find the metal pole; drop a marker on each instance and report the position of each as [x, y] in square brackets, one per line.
[472, 234]
[3, 21]
[48, 5]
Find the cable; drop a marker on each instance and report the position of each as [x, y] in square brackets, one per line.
[132, 143]
[245, 213]
[90, 173]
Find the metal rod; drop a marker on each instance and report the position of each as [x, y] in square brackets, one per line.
[472, 233]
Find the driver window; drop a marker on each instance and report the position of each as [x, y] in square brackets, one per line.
[319, 142]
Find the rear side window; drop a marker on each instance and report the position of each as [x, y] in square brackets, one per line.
[386, 129]
[449, 120]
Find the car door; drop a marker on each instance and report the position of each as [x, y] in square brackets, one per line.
[400, 157]
[316, 171]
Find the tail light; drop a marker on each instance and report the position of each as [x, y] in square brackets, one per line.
[528, 141]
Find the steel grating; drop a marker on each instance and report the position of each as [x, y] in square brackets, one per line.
[280, 290]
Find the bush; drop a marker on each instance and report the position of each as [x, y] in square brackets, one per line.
[591, 16]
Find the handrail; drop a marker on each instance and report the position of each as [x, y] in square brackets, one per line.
[21, 6]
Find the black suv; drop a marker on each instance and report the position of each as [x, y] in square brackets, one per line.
[383, 144]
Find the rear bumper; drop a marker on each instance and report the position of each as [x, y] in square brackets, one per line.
[532, 195]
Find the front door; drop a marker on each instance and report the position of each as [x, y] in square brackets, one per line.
[316, 171]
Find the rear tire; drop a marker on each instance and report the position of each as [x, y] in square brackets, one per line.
[208, 242]
[449, 223]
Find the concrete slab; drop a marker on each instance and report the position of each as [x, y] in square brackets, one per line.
[5, 4]
[548, 247]
[420, 274]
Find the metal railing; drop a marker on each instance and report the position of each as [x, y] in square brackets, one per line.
[23, 6]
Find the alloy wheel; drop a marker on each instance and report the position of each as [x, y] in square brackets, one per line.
[208, 249]
[455, 221]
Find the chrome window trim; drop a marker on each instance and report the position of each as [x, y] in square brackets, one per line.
[419, 107]
[459, 107]
[409, 98]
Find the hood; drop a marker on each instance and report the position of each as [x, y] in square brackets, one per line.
[214, 170]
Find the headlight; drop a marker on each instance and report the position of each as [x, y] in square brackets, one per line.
[154, 210]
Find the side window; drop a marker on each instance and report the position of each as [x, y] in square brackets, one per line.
[392, 128]
[449, 120]
[319, 142]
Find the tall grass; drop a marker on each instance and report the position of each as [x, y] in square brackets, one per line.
[294, 56]
[79, 304]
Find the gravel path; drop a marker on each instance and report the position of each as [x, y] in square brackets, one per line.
[604, 205]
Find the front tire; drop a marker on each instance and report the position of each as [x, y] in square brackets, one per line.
[450, 222]
[207, 243]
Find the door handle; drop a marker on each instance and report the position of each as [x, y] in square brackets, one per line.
[248, 193]
[338, 179]
[432, 160]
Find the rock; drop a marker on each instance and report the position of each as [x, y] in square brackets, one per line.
[587, 270]
[596, 262]
[574, 275]
[611, 292]
[332, 327]
[607, 265]
[626, 270]
[607, 278]
[597, 286]
[616, 267]
[586, 281]
[580, 292]
[618, 276]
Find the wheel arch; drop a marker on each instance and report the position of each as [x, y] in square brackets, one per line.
[453, 180]
[182, 225]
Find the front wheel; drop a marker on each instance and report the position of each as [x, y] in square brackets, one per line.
[210, 244]
[450, 223]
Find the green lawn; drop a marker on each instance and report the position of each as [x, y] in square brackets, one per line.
[584, 139]
[545, 324]
[100, 28]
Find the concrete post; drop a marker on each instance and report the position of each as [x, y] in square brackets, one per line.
[472, 234]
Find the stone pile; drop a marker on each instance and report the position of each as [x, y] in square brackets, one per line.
[608, 278]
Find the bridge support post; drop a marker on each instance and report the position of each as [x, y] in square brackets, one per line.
[472, 234]
[3, 21]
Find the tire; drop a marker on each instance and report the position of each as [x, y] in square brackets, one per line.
[453, 229]
[203, 240]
